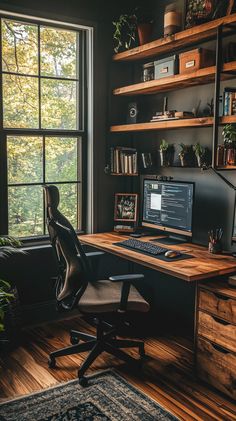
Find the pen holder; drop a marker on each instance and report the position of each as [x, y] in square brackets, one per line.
[215, 247]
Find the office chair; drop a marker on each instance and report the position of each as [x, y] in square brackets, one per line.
[96, 300]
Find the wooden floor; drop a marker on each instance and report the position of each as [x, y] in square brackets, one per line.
[167, 374]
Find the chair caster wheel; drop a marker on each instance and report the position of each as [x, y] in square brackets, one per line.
[74, 340]
[51, 362]
[83, 381]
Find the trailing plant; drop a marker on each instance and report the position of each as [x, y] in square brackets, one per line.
[125, 32]
[229, 135]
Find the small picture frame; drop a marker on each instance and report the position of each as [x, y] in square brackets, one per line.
[126, 207]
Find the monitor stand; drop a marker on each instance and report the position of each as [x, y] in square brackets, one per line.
[171, 240]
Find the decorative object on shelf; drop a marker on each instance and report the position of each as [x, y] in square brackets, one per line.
[196, 59]
[124, 160]
[124, 35]
[144, 22]
[208, 111]
[126, 211]
[198, 11]
[184, 114]
[172, 20]
[199, 152]
[229, 136]
[166, 153]
[166, 67]
[220, 157]
[229, 101]
[132, 116]
[214, 237]
[147, 72]
[186, 155]
[131, 28]
[146, 160]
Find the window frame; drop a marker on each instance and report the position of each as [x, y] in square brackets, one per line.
[81, 133]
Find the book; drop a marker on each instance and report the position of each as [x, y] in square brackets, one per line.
[124, 160]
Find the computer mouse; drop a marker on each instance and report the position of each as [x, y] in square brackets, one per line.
[172, 253]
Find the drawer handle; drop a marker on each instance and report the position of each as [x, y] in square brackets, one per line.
[222, 322]
[221, 297]
[220, 349]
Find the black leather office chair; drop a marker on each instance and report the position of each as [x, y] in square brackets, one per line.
[94, 299]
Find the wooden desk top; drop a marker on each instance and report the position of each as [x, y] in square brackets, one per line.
[202, 266]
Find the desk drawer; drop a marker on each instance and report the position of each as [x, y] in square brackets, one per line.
[217, 330]
[217, 304]
[217, 366]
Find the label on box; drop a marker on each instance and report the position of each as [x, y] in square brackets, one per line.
[164, 70]
[189, 64]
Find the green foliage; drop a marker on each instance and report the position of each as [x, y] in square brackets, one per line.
[164, 145]
[198, 150]
[7, 240]
[229, 134]
[125, 32]
[5, 296]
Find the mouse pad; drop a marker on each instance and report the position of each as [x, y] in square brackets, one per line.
[159, 256]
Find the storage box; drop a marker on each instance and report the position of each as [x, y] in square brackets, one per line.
[196, 59]
[166, 67]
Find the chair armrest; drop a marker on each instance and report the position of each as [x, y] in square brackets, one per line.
[94, 254]
[126, 278]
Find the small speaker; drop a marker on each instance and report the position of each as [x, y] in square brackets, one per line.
[132, 116]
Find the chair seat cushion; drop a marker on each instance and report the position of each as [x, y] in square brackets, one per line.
[104, 297]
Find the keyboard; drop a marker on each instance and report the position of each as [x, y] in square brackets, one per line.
[142, 247]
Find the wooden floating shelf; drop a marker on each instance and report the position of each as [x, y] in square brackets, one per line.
[172, 124]
[182, 39]
[180, 81]
[124, 175]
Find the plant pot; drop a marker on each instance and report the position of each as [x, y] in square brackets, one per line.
[231, 156]
[145, 32]
[166, 158]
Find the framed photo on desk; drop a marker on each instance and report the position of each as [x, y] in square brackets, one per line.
[126, 207]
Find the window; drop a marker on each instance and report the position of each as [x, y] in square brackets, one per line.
[42, 128]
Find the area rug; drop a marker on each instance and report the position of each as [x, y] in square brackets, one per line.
[107, 398]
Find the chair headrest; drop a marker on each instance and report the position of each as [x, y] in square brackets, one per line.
[52, 196]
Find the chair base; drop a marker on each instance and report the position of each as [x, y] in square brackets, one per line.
[104, 341]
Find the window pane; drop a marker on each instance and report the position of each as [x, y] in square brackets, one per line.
[20, 102]
[58, 53]
[25, 211]
[61, 159]
[69, 202]
[19, 47]
[25, 159]
[58, 104]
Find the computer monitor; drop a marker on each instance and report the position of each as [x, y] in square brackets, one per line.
[168, 206]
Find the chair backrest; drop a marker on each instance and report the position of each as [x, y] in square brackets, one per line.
[72, 262]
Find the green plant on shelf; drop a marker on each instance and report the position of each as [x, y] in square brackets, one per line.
[199, 153]
[229, 135]
[124, 35]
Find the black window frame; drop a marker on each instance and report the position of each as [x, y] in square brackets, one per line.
[80, 133]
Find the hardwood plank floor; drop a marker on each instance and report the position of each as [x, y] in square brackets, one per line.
[167, 375]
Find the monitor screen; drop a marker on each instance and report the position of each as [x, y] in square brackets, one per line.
[168, 206]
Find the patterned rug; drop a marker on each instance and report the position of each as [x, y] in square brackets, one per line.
[107, 398]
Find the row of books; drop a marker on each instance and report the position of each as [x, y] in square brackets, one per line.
[124, 160]
[229, 101]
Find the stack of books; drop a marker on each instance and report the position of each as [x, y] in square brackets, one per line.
[124, 160]
[171, 115]
[229, 101]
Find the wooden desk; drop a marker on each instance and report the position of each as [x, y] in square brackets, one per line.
[202, 266]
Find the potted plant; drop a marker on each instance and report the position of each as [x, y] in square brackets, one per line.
[199, 152]
[166, 153]
[128, 26]
[124, 35]
[144, 24]
[229, 135]
[9, 307]
[186, 155]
